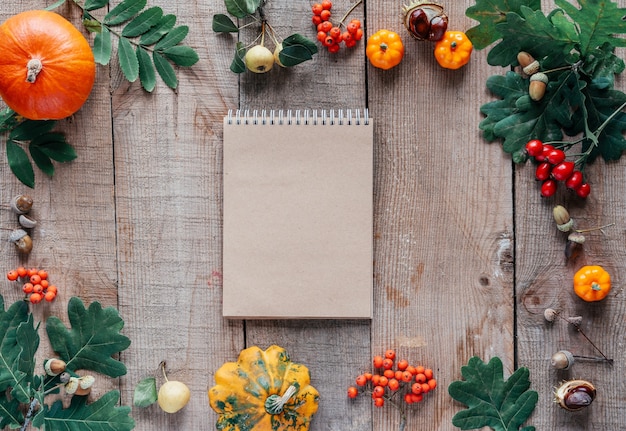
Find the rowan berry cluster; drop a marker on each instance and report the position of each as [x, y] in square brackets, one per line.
[393, 378]
[35, 284]
[330, 35]
[553, 168]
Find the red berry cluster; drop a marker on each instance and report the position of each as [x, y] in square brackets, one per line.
[553, 167]
[392, 377]
[330, 35]
[35, 284]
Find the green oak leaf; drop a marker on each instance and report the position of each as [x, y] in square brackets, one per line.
[92, 340]
[15, 368]
[103, 415]
[599, 21]
[489, 13]
[19, 163]
[503, 405]
[534, 32]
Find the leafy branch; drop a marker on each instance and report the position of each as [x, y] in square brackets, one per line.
[149, 41]
[43, 145]
[502, 405]
[575, 47]
[88, 345]
[288, 52]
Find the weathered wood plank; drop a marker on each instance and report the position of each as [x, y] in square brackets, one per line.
[335, 351]
[444, 228]
[168, 213]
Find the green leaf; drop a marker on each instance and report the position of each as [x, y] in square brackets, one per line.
[52, 7]
[165, 70]
[533, 32]
[10, 415]
[92, 25]
[128, 60]
[181, 55]
[173, 38]
[145, 392]
[30, 129]
[238, 65]
[599, 21]
[102, 46]
[242, 8]
[12, 349]
[124, 11]
[223, 24]
[143, 22]
[20, 164]
[95, 4]
[92, 339]
[147, 74]
[489, 13]
[28, 342]
[54, 146]
[42, 161]
[101, 415]
[165, 24]
[503, 405]
[296, 49]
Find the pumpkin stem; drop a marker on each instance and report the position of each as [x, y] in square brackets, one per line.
[595, 286]
[274, 403]
[33, 68]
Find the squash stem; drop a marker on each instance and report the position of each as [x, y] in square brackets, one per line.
[33, 67]
[274, 403]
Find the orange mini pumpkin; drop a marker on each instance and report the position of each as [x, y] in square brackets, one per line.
[47, 68]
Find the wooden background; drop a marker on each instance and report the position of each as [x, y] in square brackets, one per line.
[467, 255]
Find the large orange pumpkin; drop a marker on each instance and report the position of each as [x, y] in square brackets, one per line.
[47, 68]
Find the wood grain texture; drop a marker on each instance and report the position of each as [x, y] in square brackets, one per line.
[466, 253]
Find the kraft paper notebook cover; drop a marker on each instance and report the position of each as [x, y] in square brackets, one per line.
[298, 193]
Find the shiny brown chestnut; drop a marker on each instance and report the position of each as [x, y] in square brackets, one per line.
[425, 20]
[574, 395]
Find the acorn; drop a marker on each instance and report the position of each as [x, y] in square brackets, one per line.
[537, 87]
[561, 216]
[54, 366]
[21, 204]
[575, 395]
[562, 360]
[22, 240]
[524, 59]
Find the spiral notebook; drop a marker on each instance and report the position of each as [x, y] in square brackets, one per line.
[298, 196]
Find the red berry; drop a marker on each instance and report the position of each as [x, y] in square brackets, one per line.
[387, 363]
[379, 402]
[534, 147]
[361, 380]
[335, 33]
[574, 181]
[317, 9]
[359, 34]
[353, 26]
[35, 298]
[548, 188]
[321, 36]
[378, 391]
[542, 172]
[352, 392]
[546, 149]
[12, 275]
[555, 156]
[378, 361]
[325, 15]
[346, 36]
[350, 43]
[562, 171]
[334, 48]
[390, 354]
[584, 190]
[325, 26]
[329, 41]
[327, 5]
[317, 20]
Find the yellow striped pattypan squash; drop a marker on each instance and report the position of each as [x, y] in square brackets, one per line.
[263, 391]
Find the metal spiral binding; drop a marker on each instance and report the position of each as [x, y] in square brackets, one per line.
[307, 117]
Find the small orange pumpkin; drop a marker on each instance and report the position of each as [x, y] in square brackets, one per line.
[47, 68]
